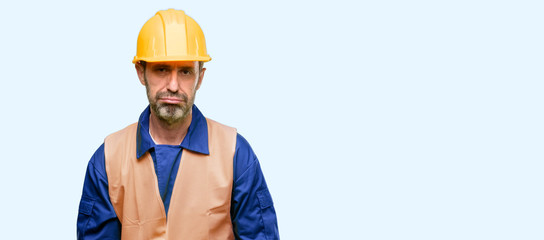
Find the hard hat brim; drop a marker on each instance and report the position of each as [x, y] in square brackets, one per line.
[171, 59]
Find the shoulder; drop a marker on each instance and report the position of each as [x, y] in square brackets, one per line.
[244, 157]
[97, 163]
[221, 135]
[118, 141]
[217, 126]
[130, 129]
[242, 145]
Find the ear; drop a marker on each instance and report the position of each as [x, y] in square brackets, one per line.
[141, 73]
[200, 77]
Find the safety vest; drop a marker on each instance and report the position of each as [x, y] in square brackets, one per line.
[201, 197]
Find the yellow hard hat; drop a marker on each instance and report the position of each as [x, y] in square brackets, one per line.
[171, 35]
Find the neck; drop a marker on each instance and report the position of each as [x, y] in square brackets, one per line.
[169, 134]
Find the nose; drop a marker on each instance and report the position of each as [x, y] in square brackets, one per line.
[173, 84]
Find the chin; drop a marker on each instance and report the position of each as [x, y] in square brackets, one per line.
[171, 115]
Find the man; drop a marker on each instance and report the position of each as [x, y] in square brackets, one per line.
[174, 174]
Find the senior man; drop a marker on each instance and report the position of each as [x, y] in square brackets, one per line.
[174, 174]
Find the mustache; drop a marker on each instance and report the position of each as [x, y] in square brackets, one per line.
[181, 96]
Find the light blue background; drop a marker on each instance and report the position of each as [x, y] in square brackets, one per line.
[371, 119]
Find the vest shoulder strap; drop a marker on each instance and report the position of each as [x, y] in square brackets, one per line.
[118, 147]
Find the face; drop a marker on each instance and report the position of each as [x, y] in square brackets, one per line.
[171, 88]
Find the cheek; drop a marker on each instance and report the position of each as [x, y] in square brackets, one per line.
[151, 91]
[155, 86]
[188, 86]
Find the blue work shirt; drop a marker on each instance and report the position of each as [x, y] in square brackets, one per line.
[252, 212]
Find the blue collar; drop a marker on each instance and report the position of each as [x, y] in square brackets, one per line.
[196, 139]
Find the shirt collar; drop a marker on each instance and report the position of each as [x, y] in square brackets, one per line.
[195, 140]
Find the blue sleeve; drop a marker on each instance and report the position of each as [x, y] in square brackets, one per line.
[96, 218]
[252, 211]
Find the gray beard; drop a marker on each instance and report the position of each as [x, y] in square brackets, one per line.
[169, 113]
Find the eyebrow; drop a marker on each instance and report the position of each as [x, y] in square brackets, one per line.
[186, 68]
[191, 70]
[169, 67]
[161, 66]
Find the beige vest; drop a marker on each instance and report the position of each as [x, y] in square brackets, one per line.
[200, 203]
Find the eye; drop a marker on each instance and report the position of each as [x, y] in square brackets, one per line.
[185, 72]
[160, 70]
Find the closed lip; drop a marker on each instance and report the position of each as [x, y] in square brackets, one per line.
[170, 100]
